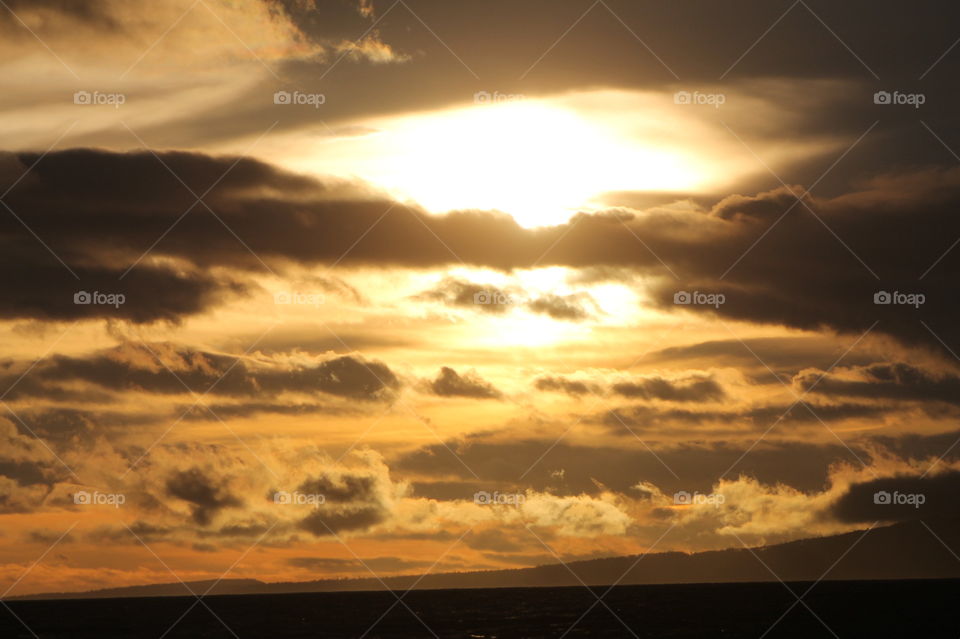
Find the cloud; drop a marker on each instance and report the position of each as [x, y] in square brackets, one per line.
[647, 419]
[893, 381]
[780, 353]
[149, 294]
[587, 468]
[695, 388]
[206, 495]
[244, 410]
[563, 307]
[253, 28]
[170, 369]
[323, 523]
[277, 214]
[498, 300]
[335, 27]
[896, 498]
[449, 383]
[566, 385]
[578, 516]
[355, 499]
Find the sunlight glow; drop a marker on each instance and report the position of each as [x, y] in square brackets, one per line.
[539, 163]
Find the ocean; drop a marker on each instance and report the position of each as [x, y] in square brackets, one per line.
[911, 609]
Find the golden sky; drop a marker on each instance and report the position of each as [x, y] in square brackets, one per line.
[291, 284]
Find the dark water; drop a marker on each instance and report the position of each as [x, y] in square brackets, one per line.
[848, 609]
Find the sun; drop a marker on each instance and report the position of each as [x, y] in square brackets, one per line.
[537, 162]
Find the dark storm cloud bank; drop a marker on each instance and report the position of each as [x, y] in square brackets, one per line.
[89, 207]
[171, 370]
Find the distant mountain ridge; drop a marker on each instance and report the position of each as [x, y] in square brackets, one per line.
[909, 550]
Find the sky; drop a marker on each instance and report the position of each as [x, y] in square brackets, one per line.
[304, 289]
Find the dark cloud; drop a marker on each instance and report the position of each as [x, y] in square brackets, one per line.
[647, 419]
[342, 488]
[779, 353]
[502, 40]
[497, 300]
[566, 385]
[325, 522]
[449, 383]
[563, 307]
[482, 297]
[919, 446]
[896, 381]
[141, 368]
[901, 498]
[93, 12]
[73, 428]
[702, 389]
[697, 388]
[798, 276]
[27, 473]
[40, 288]
[351, 501]
[588, 469]
[243, 410]
[206, 495]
